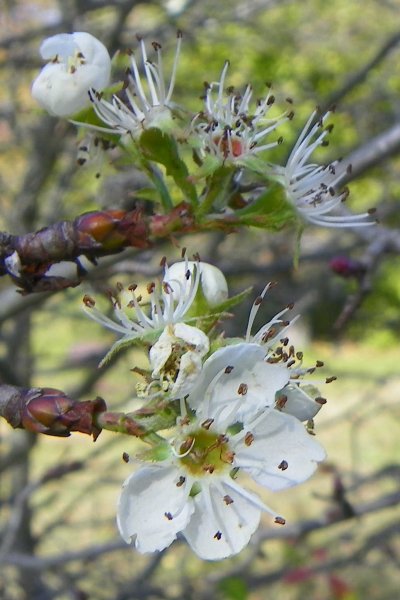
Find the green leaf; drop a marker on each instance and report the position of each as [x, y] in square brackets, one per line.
[233, 588]
[217, 190]
[162, 148]
[269, 211]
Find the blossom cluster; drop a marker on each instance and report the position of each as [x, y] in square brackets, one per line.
[240, 407]
[228, 131]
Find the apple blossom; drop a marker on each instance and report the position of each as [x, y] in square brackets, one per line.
[77, 63]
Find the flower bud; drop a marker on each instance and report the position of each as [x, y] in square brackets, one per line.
[212, 281]
[346, 267]
[78, 63]
[54, 413]
[112, 229]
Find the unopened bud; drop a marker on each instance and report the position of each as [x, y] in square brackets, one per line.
[102, 227]
[347, 267]
[212, 281]
[52, 412]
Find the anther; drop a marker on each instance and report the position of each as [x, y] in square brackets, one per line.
[228, 500]
[242, 389]
[167, 288]
[222, 439]
[132, 287]
[248, 438]
[283, 465]
[88, 301]
[227, 457]
[281, 401]
[181, 481]
[319, 363]
[228, 369]
[186, 445]
[280, 521]
[209, 468]
[125, 457]
[207, 423]
[168, 516]
[321, 400]
[330, 379]
[258, 301]
[218, 535]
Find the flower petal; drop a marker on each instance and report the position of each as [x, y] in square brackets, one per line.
[238, 356]
[189, 369]
[212, 280]
[153, 507]
[193, 336]
[222, 523]
[236, 394]
[298, 402]
[81, 63]
[280, 453]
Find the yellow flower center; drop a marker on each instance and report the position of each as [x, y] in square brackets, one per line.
[206, 453]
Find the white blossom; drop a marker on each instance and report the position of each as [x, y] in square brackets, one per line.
[176, 357]
[77, 63]
[228, 130]
[264, 371]
[212, 281]
[312, 188]
[163, 312]
[147, 102]
[196, 490]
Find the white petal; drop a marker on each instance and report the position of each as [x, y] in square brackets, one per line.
[219, 528]
[279, 441]
[62, 45]
[189, 369]
[262, 381]
[239, 356]
[193, 336]
[149, 498]
[212, 280]
[214, 284]
[298, 403]
[161, 351]
[241, 392]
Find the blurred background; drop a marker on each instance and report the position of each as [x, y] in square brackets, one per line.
[342, 538]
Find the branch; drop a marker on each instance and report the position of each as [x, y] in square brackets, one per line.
[371, 153]
[27, 258]
[360, 75]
